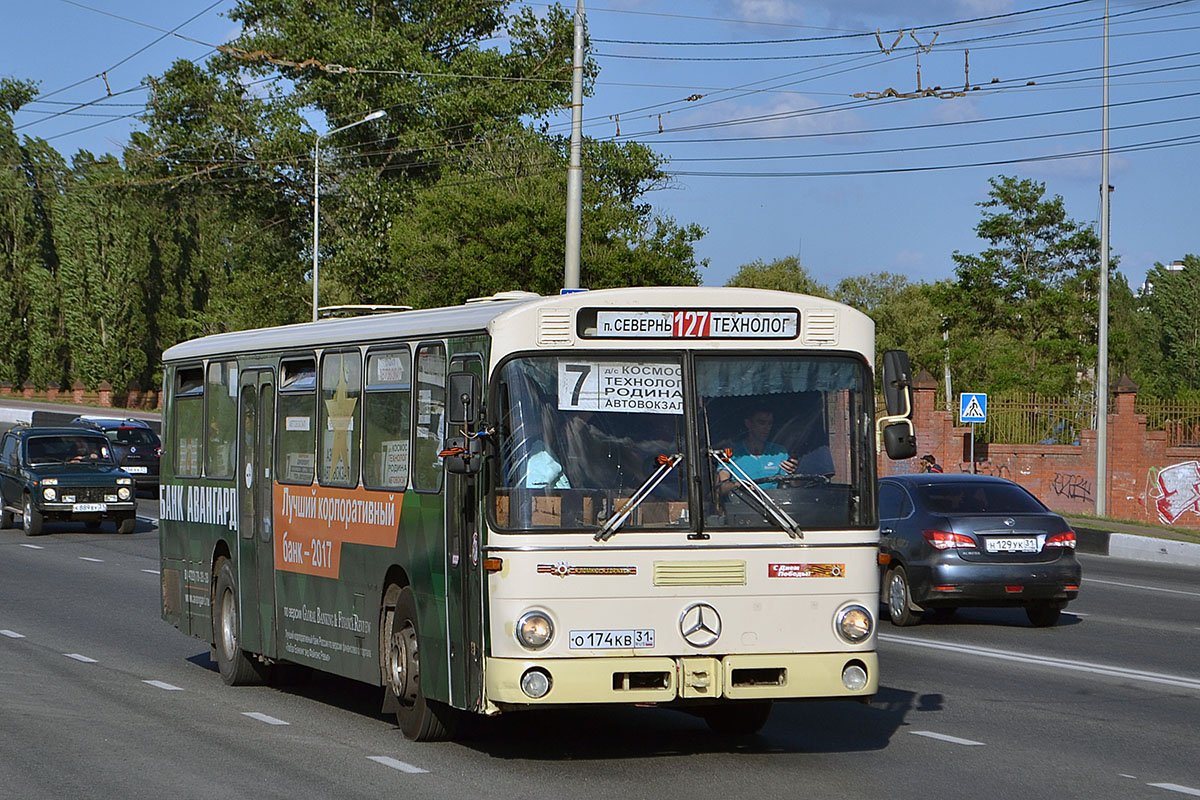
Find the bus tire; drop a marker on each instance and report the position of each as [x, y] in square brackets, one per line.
[236, 667]
[737, 717]
[419, 719]
[31, 518]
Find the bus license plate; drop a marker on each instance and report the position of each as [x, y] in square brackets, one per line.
[136, 470]
[90, 507]
[612, 640]
[1024, 544]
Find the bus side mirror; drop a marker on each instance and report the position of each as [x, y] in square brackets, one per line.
[463, 398]
[896, 429]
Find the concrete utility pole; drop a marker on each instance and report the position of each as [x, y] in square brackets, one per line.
[317, 201]
[575, 167]
[1102, 366]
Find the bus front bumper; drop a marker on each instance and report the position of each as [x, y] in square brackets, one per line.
[651, 679]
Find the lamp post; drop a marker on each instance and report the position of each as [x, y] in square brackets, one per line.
[317, 200]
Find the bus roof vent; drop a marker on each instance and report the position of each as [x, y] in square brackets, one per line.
[357, 310]
[515, 294]
[554, 327]
[821, 328]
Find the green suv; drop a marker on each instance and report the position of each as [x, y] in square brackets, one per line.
[63, 474]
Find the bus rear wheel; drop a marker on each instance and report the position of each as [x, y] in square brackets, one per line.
[419, 719]
[237, 668]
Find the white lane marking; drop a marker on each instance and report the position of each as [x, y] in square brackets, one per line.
[96, 560]
[1060, 663]
[152, 571]
[12, 634]
[394, 764]
[264, 718]
[1140, 586]
[1123, 775]
[1175, 787]
[944, 738]
[170, 687]
[1075, 614]
[33, 546]
[82, 658]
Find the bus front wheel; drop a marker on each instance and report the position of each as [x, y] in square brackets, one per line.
[237, 668]
[737, 717]
[419, 719]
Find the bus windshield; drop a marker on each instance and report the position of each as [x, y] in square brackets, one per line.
[779, 442]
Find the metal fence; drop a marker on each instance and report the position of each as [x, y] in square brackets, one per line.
[1022, 418]
[1179, 418]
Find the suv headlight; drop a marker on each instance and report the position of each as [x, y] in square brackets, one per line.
[854, 623]
[124, 493]
[535, 630]
[49, 493]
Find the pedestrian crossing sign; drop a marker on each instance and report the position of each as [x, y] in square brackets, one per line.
[972, 407]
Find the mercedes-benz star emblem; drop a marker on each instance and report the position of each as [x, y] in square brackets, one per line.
[700, 625]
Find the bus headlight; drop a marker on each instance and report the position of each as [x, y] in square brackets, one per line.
[124, 493]
[534, 630]
[50, 493]
[854, 623]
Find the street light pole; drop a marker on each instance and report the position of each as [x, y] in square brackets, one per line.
[317, 201]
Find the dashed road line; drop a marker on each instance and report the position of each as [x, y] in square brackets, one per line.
[152, 571]
[941, 737]
[169, 687]
[264, 718]
[1058, 663]
[399, 765]
[12, 634]
[1175, 787]
[96, 560]
[83, 658]
[33, 546]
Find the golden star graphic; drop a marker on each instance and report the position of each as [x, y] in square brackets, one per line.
[341, 416]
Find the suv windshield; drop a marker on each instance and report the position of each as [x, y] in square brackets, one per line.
[134, 436]
[65, 449]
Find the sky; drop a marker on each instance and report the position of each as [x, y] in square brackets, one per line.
[859, 135]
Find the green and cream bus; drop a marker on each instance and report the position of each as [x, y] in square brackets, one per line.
[531, 501]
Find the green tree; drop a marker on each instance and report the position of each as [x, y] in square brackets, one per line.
[1022, 313]
[784, 274]
[1170, 327]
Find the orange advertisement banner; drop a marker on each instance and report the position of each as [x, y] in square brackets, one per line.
[312, 523]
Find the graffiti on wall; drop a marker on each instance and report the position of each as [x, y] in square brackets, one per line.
[1175, 491]
[988, 468]
[1071, 486]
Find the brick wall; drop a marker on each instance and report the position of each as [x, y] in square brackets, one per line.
[1147, 480]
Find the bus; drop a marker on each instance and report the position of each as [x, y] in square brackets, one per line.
[653, 496]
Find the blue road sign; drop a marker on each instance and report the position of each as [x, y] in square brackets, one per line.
[972, 407]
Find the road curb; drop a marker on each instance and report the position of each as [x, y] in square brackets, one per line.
[1148, 548]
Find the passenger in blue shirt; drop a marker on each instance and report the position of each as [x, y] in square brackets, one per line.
[756, 455]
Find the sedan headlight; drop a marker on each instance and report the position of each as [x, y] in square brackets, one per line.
[854, 623]
[535, 630]
[49, 493]
[124, 493]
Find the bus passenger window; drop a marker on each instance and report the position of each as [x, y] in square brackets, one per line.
[340, 410]
[430, 428]
[296, 422]
[189, 421]
[222, 388]
[387, 405]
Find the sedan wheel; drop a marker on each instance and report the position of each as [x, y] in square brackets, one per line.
[899, 599]
[1043, 614]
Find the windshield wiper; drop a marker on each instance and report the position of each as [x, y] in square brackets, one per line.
[665, 465]
[774, 510]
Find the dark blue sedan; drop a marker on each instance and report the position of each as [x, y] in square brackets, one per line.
[972, 540]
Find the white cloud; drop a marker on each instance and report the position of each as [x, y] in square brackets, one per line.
[768, 10]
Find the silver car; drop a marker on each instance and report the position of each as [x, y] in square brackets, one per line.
[972, 540]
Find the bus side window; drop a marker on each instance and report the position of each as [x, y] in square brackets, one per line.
[386, 410]
[340, 413]
[221, 387]
[296, 422]
[189, 420]
[430, 412]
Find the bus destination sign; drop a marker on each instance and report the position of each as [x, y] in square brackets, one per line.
[720, 323]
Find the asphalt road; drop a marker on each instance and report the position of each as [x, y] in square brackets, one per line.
[100, 698]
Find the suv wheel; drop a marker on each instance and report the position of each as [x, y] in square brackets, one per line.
[31, 518]
[6, 517]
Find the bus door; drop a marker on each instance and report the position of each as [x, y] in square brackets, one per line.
[464, 586]
[255, 506]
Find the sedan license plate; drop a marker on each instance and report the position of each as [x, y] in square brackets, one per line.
[1012, 544]
[136, 470]
[611, 640]
[90, 507]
